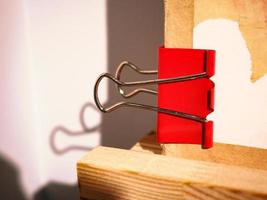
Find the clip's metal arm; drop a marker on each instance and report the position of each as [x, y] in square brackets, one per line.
[138, 70]
[139, 83]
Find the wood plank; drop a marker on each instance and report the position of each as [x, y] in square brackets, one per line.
[181, 17]
[179, 24]
[236, 155]
[148, 144]
[251, 16]
[109, 173]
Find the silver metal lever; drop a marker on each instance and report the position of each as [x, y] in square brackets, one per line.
[138, 70]
[120, 84]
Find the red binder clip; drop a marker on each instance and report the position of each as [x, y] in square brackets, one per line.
[185, 95]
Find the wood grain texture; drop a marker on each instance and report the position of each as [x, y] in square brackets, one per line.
[251, 16]
[148, 144]
[179, 23]
[109, 173]
[182, 16]
[236, 155]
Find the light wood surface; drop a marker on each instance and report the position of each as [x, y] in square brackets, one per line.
[251, 16]
[179, 24]
[109, 173]
[236, 155]
[181, 17]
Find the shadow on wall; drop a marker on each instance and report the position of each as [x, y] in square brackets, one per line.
[57, 191]
[134, 33]
[84, 129]
[10, 187]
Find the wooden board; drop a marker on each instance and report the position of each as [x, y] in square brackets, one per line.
[109, 173]
[182, 16]
[179, 24]
[236, 155]
[251, 16]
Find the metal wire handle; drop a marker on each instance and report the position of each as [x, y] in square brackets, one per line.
[120, 84]
[138, 70]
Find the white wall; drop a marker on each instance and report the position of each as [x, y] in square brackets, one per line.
[68, 51]
[17, 143]
[53, 52]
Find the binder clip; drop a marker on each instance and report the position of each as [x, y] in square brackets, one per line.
[185, 95]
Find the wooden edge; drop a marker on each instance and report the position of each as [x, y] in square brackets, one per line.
[182, 15]
[148, 144]
[221, 153]
[252, 21]
[110, 173]
[178, 23]
[178, 32]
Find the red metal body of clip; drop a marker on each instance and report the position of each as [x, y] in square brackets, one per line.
[192, 96]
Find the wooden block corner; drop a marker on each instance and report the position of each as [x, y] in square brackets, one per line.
[110, 173]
